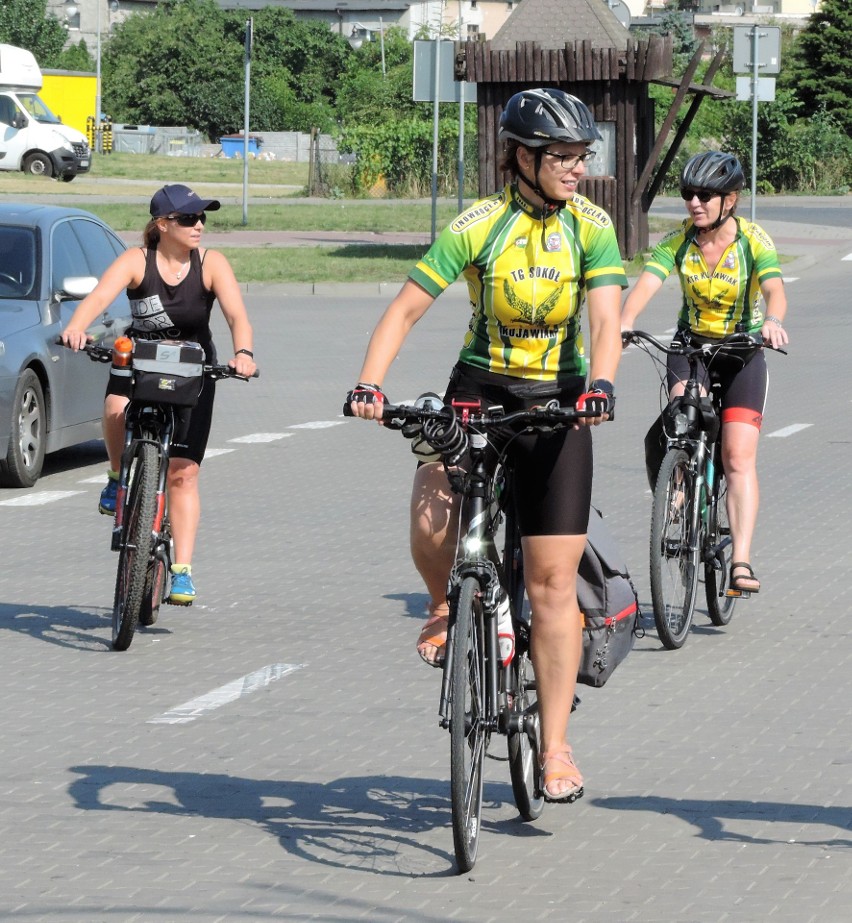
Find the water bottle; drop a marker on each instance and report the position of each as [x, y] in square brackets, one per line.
[505, 631]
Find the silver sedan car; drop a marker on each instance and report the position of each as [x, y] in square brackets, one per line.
[50, 397]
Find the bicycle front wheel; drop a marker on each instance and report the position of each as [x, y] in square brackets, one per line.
[717, 565]
[469, 731]
[137, 537]
[674, 551]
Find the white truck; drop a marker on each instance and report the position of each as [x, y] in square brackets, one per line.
[32, 138]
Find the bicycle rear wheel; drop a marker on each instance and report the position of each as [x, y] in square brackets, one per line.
[135, 553]
[674, 551]
[156, 578]
[523, 736]
[469, 731]
[717, 569]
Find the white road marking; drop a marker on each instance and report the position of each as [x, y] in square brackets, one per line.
[40, 498]
[317, 424]
[791, 278]
[789, 430]
[847, 257]
[211, 453]
[97, 479]
[261, 437]
[252, 682]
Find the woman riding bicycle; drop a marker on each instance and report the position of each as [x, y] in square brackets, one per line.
[171, 282]
[724, 264]
[530, 254]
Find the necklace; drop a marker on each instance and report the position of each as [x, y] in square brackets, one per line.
[179, 273]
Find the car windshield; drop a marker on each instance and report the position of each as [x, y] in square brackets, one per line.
[37, 108]
[17, 261]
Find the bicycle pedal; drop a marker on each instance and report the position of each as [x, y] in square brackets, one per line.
[738, 594]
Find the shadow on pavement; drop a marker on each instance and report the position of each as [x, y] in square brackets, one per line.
[371, 823]
[709, 816]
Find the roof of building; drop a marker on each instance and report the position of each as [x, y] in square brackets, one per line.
[553, 23]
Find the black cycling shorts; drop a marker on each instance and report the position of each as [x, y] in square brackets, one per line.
[743, 383]
[552, 479]
[192, 424]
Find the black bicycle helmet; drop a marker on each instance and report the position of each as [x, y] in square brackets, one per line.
[714, 171]
[539, 117]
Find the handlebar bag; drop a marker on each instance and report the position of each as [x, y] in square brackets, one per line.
[608, 603]
[168, 372]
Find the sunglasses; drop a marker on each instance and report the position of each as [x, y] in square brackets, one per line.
[702, 195]
[188, 221]
[568, 161]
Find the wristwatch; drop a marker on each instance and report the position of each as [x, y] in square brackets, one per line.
[245, 352]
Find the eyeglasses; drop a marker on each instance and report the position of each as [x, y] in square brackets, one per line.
[569, 161]
[188, 221]
[703, 195]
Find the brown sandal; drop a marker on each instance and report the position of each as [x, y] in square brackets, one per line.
[433, 634]
[737, 586]
[568, 774]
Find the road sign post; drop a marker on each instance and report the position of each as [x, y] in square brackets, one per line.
[751, 55]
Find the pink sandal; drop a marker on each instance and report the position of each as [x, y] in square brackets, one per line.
[570, 773]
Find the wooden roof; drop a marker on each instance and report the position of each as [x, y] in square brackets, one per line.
[555, 23]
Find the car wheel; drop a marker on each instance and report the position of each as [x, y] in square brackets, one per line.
[67, 177]
[38, 165]
[25, 453]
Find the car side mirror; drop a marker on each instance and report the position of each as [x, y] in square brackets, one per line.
[77, 286]
[19, 121]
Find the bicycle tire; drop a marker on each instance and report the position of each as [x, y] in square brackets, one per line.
[156, 581]
[137, 538]
[523, 736]
[469, 732]
[717, 570]
[674, 555]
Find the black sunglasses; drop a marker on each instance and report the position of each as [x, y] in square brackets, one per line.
[703, 195]
[188, 221]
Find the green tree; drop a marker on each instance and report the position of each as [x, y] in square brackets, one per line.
[820, 73]
[27, 24]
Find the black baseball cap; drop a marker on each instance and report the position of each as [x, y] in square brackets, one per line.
[177, 199]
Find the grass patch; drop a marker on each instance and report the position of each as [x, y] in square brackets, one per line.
[329, 216]
[350, 264]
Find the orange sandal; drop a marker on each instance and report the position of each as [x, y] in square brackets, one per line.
[433, 634]
[568, 774]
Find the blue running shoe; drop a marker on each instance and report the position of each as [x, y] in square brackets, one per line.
[182, 592]
[106, 505]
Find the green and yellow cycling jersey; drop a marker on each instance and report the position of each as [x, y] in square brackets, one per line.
[714, 302]
[527, 276]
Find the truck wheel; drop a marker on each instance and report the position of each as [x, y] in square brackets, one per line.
[38, 165]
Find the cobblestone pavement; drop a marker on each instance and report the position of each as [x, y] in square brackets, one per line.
[273, 751]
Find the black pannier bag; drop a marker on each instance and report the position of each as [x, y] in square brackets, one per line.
[608, 603]
[168, 371]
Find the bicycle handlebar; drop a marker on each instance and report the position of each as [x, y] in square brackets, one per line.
[395, 416]
[732, 341]
[216, 372]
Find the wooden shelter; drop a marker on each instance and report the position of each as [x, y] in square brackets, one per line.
[580, 47]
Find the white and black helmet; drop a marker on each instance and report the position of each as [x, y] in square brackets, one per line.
[542, 116]
[714, 171]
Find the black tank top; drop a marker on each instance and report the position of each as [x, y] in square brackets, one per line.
[173, 312]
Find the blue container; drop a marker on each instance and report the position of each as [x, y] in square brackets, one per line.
[234, 145]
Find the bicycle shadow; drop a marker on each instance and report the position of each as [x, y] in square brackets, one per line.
[709, 816]
[359, 822]
[83, 628]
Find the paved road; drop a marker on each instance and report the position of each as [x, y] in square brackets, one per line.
[273, 752]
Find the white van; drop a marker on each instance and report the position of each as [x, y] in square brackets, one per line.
[32, 138]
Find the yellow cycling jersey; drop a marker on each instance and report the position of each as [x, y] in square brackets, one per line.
[527, 274]
[715, 302]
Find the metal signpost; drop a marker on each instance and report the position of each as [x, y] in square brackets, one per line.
[248, 42]
[433, 82]
[751, 55]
